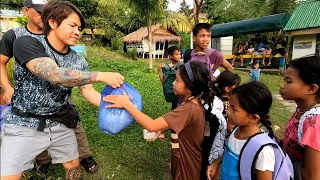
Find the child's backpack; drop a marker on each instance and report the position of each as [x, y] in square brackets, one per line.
[191, 55]
[169, 75]
[283, 169]
[114, 120]
[312, 112]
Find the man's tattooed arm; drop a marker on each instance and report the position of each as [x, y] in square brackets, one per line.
[47, 69]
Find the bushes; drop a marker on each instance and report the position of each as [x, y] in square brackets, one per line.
[117, 42]
[133, 53]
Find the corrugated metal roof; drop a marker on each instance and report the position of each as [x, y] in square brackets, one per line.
[307, 15]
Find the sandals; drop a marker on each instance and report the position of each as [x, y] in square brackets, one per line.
[89, 164]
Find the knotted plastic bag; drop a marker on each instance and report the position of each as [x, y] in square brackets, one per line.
[114, 120]
[3, 110]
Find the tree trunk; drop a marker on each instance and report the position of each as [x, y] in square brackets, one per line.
[150, 46]
[195, 16]
[92, 33]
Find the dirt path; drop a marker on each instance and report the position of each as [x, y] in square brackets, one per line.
[290, 105]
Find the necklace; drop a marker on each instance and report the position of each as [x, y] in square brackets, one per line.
[189, 99]
[305, 110]
[237, 135]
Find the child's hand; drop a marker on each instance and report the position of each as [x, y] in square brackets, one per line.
[160, 67]
[250, 74]
[211, 171]
[117, 101]
[157, 136]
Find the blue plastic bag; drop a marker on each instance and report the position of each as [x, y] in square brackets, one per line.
[114, 120]
[3, 110]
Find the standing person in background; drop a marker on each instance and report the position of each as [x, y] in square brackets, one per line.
[202, 38]
[255, 72]
[34, 29]
[167, 74]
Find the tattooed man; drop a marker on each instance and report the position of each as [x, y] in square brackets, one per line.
[45, 71]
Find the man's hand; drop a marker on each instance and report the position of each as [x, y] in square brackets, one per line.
[112, 79]
[7, 95]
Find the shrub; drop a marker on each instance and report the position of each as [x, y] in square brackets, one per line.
[116, 42]
[133, 53]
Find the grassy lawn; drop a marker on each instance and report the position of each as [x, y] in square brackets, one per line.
[126, 155]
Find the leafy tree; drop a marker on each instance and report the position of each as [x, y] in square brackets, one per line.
[22, 20]
[185, 9]
[148, 13]
[11, 4]
[89, 9]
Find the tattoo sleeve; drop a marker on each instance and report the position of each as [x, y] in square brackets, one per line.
[48, 70]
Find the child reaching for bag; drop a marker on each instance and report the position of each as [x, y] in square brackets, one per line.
[250, 153]
[187, 121]
[302, 133]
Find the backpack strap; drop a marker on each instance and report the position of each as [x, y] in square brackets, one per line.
[166, 68]
[180, 63]
[311, 112]
[187, 55]
[250, 152]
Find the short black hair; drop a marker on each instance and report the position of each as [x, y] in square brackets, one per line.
[254, 63]
[59, 11]
[197, 28]
[172, 49]
[226, 79]
[309, 69]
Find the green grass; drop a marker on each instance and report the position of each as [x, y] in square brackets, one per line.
[127, 155]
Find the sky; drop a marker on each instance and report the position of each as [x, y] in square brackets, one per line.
[174, 6]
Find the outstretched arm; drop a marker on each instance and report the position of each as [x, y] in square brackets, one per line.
[47, 69]
[145, 121]
[90, 94]
[30, 53]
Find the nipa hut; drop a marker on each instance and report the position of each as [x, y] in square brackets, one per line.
[162, 39]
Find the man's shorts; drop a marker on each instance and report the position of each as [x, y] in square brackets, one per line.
[279, 51]
[20, 145]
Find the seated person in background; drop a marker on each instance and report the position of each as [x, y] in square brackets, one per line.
[241, 50]
[263, 49]
[279, 47]
[250, 50]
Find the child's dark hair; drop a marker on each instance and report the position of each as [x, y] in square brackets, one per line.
[172, 49]
[309, 70]
[200, 86]
[197, 28]
[255, 98]
[254, 63]
[226, 79]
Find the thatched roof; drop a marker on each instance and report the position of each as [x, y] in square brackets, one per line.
[159, 34]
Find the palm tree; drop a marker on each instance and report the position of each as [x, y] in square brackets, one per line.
[151, 12]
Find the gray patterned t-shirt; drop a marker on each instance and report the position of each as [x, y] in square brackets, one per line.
[32, 94]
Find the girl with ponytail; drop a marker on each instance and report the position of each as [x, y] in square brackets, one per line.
[249, 106]
[187, 121]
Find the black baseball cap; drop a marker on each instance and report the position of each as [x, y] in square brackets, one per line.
[35, 4]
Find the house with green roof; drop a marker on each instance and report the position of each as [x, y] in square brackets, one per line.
[304, 26]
